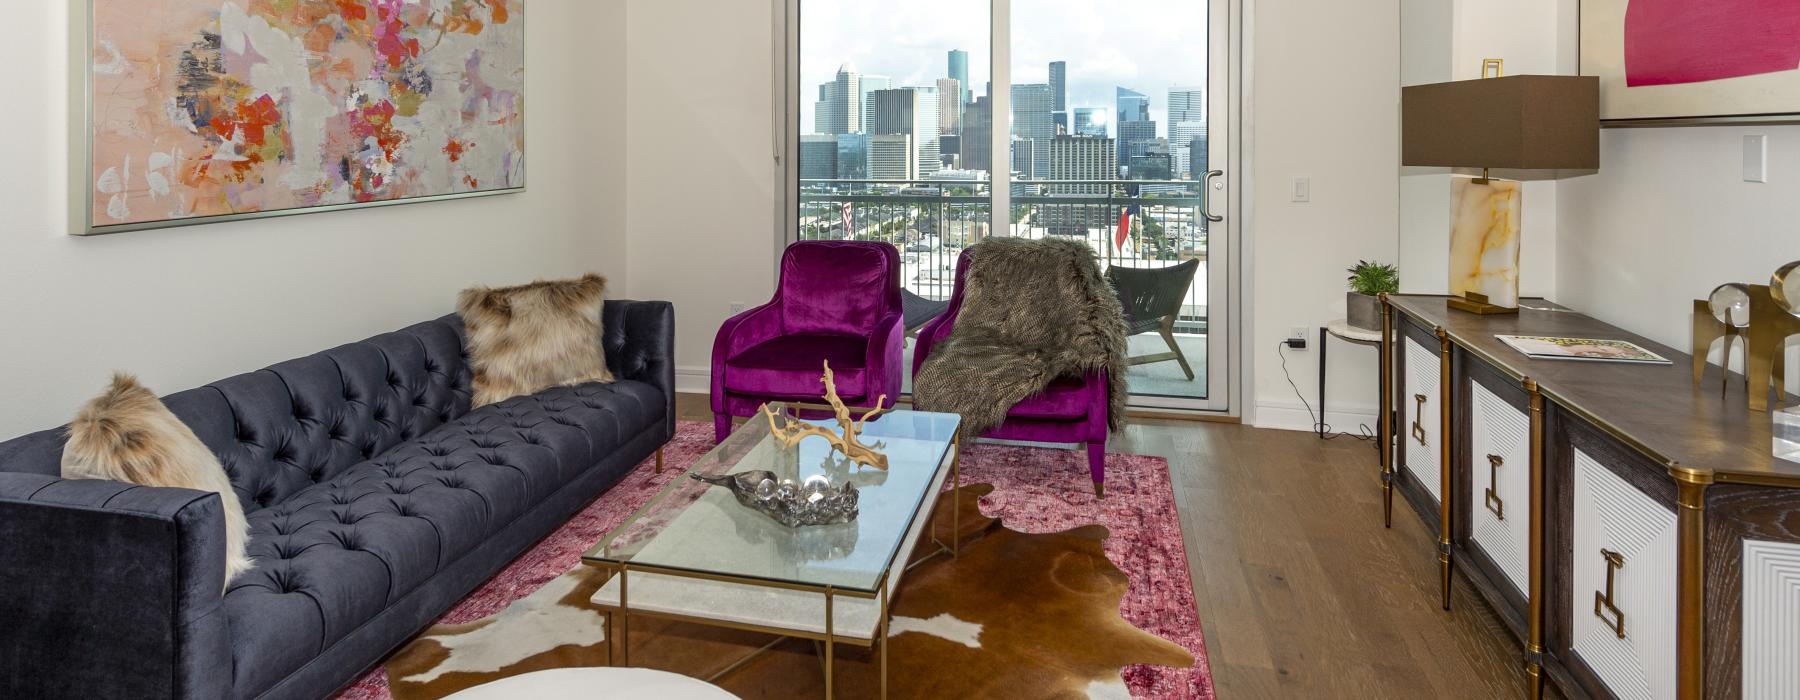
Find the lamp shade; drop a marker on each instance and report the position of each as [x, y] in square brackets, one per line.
[1522, 122]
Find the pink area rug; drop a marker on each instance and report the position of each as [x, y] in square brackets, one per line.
[1037, 490]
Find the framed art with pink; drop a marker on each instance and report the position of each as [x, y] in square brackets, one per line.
[1720, 60]
[199, 111]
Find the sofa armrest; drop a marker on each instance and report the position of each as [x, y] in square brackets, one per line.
[640, 345]
[111, 590]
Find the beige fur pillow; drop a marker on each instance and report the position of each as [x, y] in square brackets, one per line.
[127, 434]
[526, 339]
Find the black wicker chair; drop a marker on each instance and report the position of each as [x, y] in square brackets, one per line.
[918, 310]
[1152, 300]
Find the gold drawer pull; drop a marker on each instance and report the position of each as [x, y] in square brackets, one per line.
[1494, 504]
[1418, 429]
[1604, 601]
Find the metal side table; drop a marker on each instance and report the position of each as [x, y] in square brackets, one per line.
[1342, 330]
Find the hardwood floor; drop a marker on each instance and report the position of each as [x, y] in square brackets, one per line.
[1301, 591]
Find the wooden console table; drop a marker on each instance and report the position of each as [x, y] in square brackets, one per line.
[1632, 530]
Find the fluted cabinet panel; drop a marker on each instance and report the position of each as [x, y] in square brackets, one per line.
[1499, 429]
[1612, 515]
[1422, 365]
[1771, 620]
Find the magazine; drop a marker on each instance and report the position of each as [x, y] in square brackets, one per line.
[1594, 350]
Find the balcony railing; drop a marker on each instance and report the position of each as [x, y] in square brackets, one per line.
[931, 221]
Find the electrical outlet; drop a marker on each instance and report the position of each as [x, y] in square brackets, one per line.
[737, 307]
[1297, 338]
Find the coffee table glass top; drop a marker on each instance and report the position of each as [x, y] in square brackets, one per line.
[695, 527]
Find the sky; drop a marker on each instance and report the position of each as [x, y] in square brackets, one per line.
[1145, 45]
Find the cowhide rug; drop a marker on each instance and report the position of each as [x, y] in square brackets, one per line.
[1017, 615]
[1035, 607]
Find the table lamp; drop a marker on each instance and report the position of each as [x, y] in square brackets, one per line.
[1531, 127]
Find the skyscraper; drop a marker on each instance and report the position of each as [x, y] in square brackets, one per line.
[1059, 96]
[852, 156]
[1090, 121]
[891, 157]
[950, 106]
[1082, 158]
[978, 135]
[1187, 119]
[839, 109]
[1033, 127]
[818, 156]
[867, 85]
[959, 71]
[912, 111]
[1135, 138]
[1134, 107]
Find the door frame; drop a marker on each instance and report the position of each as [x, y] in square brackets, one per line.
[1229, 357]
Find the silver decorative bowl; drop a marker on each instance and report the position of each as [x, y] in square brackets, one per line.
[812, 502]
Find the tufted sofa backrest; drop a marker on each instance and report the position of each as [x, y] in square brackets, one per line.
[281, 429]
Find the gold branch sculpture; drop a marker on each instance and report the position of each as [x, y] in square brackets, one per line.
[849, 443]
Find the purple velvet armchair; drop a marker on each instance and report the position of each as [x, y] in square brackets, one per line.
[836, 301]
[1072, 409]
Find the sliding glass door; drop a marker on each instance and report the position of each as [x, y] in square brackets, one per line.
[1113, 127]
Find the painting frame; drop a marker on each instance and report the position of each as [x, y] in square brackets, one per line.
[82, 176]
[1721, 102]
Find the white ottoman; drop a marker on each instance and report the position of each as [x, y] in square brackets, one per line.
[556, 684]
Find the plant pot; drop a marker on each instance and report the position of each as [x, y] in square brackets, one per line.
[1364, 311]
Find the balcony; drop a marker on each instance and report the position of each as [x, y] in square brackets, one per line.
[932, 221]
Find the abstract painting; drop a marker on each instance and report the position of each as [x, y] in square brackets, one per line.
[1679, 59]
[207, 110]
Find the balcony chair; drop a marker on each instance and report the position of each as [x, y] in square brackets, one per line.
[1152, 298]
[920, 310]
[836, 301]
[1073, 409]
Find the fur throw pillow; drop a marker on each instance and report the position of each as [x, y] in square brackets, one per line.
[525, 339]
[127, 434]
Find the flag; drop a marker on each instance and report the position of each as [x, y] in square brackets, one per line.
[847, 227]
[1124, 225]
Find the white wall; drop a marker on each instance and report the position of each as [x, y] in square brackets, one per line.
[701, 242]
[1327, 107]
[186, 306]
[1669, 217]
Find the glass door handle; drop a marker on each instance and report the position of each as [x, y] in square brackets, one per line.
[1206, 199]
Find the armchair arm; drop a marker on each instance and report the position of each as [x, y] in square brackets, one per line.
[640, 345]
[887, 359]
[737, 334]
[112, 590]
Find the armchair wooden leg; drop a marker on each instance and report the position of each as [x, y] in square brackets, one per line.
[1096, 452]
[1168, 334]
[659, 460]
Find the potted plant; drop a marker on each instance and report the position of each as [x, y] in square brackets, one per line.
[1367, 280]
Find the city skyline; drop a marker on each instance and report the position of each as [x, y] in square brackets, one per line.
[1101, 52]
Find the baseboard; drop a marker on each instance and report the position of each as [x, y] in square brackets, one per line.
[693, 380]
[1292, 415]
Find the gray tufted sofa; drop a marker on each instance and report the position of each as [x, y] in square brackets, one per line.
[376, 500]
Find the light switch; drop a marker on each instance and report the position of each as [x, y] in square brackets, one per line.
[1302, 189]
[1756, 158]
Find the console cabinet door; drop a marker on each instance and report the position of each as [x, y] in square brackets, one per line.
[1500, 483]
[1420, 405]
[1623, 630]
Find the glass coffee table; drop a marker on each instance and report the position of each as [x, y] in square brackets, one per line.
[694, 554]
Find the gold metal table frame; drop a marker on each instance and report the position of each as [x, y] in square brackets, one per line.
[618, 618]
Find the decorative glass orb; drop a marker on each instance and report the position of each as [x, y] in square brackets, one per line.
[1731, 304]
[1786, 287]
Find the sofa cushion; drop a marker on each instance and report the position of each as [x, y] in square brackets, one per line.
[1066, 398]
[528, 338]
[791, 366]
[336, 554]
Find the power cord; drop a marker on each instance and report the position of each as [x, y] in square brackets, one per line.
[1320, 427]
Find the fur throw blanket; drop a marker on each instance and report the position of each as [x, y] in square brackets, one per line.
[1032, 311]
